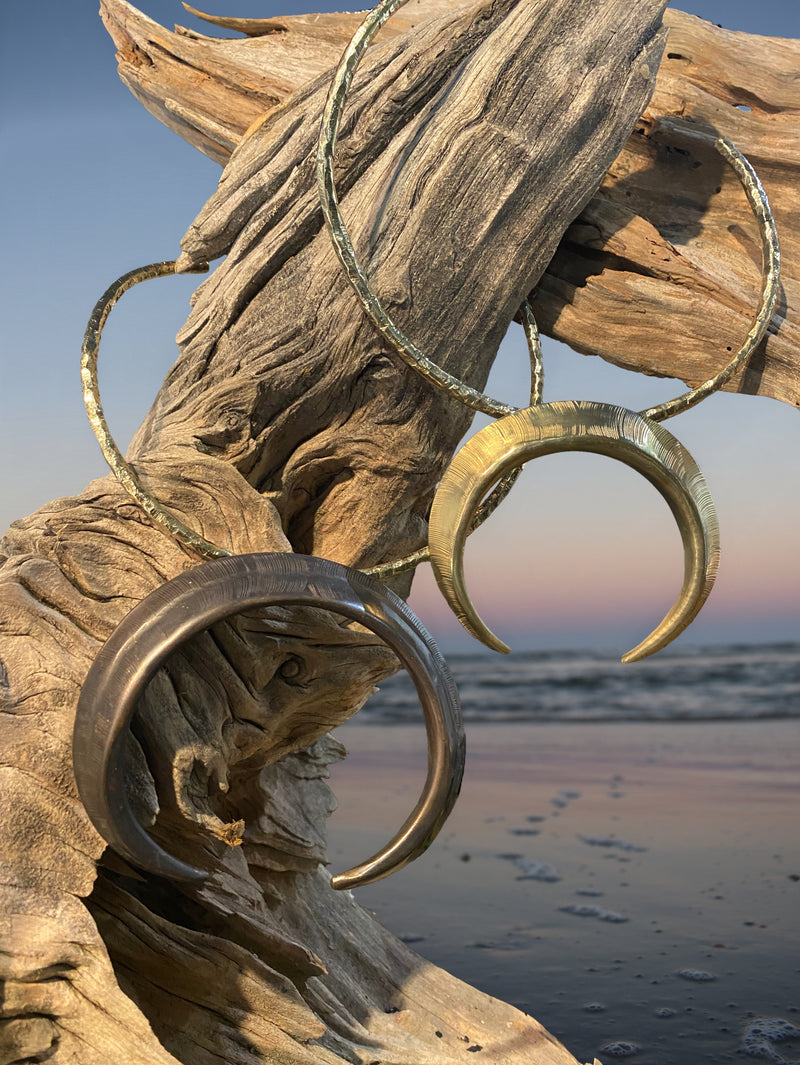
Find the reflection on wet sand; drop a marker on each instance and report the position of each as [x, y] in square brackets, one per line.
[630, 885]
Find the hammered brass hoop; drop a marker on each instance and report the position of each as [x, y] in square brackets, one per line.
[161, 515]
[410, 353]
[90, 351]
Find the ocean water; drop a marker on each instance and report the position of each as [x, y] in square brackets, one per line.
[734, 682]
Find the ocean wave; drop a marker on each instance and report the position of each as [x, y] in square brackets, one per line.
[732, 682]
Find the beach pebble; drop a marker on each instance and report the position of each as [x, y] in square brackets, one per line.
[761, 1034]
[589, 893]
[610, 841]
[411, 937]
[595, 1007]
[620, 1049]
[587, 910]
[531, 869]
[524, 831]
[563, 797]
[510, 943]
[699, 976]
[665, 1011]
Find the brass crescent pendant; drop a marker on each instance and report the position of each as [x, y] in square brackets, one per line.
[219, 589]
[622, 434]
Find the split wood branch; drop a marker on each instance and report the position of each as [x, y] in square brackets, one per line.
[660, 273]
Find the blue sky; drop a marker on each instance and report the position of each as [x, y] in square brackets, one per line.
[584, 553]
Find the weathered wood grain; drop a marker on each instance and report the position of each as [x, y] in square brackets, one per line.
[286, 426]
[660, 273]
[210, 89]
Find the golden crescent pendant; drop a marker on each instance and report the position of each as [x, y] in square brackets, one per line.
[622, 434]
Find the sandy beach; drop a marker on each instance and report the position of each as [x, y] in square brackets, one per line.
[635, 887]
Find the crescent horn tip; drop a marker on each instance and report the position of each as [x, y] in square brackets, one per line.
[682, 614]
[345, 881]
[666, 632]
[660, 637]
[638, 653]
[454, 589]
[476, 628]
[656, 641]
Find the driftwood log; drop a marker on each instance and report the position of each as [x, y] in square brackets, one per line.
[666, 246]
[471, 143]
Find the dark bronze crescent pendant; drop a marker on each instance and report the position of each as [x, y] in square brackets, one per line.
[622, 434]
[219, 589]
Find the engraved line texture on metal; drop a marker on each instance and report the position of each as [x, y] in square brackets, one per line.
[219, 589]
[409, 352]
[90, 351]
[576, 426]
[340, 236]
[770, 279]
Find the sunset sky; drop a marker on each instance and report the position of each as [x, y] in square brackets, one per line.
[584, 553]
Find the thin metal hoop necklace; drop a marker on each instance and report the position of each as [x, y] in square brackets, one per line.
[161, 515]
[410, 353]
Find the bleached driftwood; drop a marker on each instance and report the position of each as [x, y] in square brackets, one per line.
[467, 150]
[667, 247]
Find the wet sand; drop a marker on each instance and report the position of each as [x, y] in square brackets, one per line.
[634, 887]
